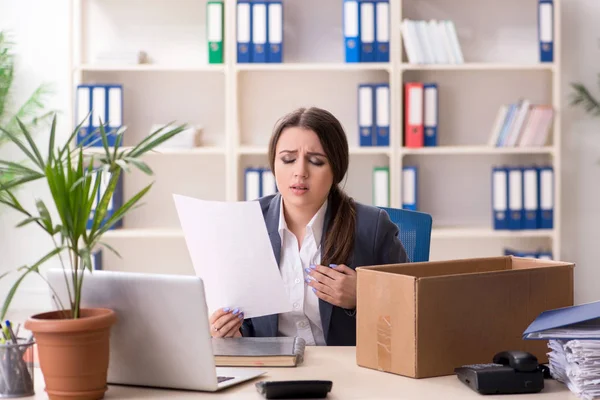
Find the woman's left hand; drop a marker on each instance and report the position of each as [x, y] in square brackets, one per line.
[335, 284]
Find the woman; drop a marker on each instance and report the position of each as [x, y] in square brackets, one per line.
[319, 235]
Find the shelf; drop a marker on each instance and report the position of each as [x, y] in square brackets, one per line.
[478, 67]
[150, 68]
[143, 233]
[167, 151]
[476, 150]
[314, 67]
[486, 232]
[259, 150]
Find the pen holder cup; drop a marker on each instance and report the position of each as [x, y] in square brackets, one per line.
[16, 369]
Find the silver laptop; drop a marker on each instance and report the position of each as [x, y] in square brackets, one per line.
[161, 337]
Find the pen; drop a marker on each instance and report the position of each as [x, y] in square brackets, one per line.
[10, 331]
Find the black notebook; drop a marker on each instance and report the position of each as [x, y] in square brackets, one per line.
[258, 351]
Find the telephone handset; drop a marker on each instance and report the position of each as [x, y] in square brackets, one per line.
[510, 372]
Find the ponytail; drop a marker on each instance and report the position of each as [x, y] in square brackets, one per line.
[339, 238]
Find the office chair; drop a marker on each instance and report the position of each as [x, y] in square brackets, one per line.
[415, 232]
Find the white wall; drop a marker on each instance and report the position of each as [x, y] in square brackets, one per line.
[581, 133]
[43, 36]
[40, 29]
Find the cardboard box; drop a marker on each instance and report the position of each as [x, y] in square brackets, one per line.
[424, 319]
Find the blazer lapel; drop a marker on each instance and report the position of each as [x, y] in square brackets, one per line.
[325, 308]
[272, 222]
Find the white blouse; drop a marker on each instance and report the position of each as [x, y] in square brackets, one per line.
[305, 319]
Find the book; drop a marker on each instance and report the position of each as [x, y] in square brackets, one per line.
[575, 322]
[258, 351]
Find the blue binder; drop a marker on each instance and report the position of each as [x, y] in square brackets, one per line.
[97, 259]
[259, 31]
[367, 31]
[115, 203]
[382, 30]
[515, 198]
[410, 188]
[546, 30]
[382, 114]
[275, 32]
[252, 183]
[114, 112]
[530, 198]
[244, 31]
[83, 116]
[500, 197]
[544, 255]
[546, 197]
[366, 114]
[565, 318]
[430, 114]
[351, 24]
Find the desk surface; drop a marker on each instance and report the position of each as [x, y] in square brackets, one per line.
[350, 381]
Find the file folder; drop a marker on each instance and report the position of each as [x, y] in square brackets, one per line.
[275, 32]
[259, 32]
[530, 198]
[574, 322]
[382, 114]
[546, 198]
[244, 31]
[546, 30]
[367, 31]
[381, 186]
[99, 107]
[366, 126]
[351, 21]
[382, 31]
[114, 115]
[253, 182]
[500, 197]
[430, 118]
[83, 105]
[97, 260]
[515, 198]
[214, 25]
[409, 188]
[268, 184]
[413, 112]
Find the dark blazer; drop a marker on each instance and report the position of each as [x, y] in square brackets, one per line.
[376, 242]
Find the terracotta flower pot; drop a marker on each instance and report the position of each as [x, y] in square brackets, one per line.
[73, 353]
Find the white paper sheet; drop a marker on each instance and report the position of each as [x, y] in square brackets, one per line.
[230, 250]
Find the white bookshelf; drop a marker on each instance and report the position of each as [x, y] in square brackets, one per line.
[238, 104]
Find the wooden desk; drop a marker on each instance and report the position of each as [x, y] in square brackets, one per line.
[349, 382]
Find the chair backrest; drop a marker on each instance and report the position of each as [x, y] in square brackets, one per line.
[415, 232]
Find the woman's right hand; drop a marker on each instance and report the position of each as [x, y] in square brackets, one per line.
[226, 322]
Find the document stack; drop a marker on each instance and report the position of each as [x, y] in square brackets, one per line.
[576, 363]
[573, 335]
[431, 42]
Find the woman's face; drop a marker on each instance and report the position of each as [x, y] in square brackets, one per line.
[302, 170]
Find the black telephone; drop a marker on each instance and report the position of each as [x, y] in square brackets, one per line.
[510, 372]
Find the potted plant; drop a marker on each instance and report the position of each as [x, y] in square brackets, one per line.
[581, 96]
[73, 337]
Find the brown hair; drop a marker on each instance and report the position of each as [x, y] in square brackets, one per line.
[339, 238]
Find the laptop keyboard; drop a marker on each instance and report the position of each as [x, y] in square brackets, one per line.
[223, 378]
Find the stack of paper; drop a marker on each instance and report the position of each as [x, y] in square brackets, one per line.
[576, 363]
[573, 335]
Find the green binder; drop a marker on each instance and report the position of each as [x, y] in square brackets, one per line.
[214, 31]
